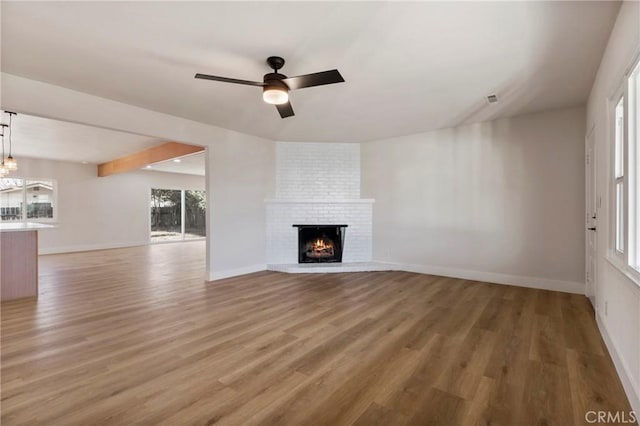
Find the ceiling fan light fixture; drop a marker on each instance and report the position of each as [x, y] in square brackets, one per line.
[275, 95]
[276, 86]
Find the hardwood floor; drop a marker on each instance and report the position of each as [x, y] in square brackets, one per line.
[135, 336]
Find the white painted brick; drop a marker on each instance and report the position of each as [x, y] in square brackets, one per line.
[318, 171]
[282, 241]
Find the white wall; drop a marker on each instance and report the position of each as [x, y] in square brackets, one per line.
[97, 213]
[498, 201]
[236, 184]
[621, 324]
[241, 175]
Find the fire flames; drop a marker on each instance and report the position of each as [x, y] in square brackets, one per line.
[319, 245]
[321, 248]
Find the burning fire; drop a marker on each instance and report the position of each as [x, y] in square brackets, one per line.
[320, 248]
[319, 245]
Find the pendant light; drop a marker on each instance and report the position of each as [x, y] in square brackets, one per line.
[10, 163]
[3, 168]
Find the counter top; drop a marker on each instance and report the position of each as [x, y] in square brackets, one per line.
[21, 226]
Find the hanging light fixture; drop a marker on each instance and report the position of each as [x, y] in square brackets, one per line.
[3, 168]
[10, 163]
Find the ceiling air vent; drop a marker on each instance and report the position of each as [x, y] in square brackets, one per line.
[492, 99]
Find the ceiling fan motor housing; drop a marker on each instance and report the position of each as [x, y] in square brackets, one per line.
[274, 80]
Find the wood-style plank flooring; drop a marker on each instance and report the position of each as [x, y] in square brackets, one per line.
[135, 336]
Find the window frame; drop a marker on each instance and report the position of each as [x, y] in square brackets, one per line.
[627, 261]
[182, 216]
[616, 180]
[54, 195]
[632, 167]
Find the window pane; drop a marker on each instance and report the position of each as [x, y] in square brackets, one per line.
[634, 166]
[166, 215]
[39, 199]
[11, 199]
[195, 205]
[619, 138]
[620, 217]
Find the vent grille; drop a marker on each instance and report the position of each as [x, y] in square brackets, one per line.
[492, 99]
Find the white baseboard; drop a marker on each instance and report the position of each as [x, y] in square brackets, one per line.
[328, 268]
[630, 387]
[90, 247]
[228, 273]
[492, 277]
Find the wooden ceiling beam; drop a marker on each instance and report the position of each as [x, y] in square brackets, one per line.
[152, 155]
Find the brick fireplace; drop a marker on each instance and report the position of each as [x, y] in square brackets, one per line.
[318, 184]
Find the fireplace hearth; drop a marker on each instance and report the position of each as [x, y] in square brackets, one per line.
[320, 243]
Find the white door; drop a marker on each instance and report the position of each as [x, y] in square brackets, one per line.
[591, 218]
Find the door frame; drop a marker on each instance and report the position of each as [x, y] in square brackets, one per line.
[591, 216]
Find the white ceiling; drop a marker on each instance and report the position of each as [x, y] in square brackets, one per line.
[191, 165]
[409, 66]
[38, 137]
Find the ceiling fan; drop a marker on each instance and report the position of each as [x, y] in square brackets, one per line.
[276, 86]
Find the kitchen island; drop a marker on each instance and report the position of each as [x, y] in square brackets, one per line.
[19, 260]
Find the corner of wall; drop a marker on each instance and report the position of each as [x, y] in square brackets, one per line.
[229, 273]
[494, 278]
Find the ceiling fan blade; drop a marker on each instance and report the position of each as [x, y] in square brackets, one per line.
[285, 110]
[315, 79]
[229, 80]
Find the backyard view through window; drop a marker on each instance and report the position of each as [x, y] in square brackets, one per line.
[177, 215]
[26, 199]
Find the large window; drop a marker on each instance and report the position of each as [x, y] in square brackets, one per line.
[31, 200]
[177, 215]
[619, 176]
[626, 173]
[633, 150]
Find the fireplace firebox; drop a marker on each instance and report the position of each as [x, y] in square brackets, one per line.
[320, 243]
